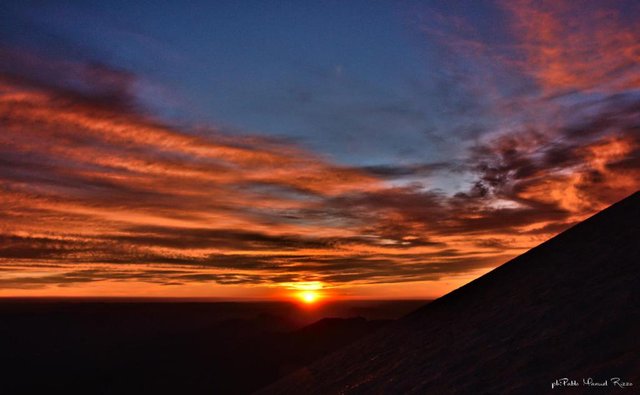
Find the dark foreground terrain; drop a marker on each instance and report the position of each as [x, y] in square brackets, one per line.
[144, 347]
[569, 308]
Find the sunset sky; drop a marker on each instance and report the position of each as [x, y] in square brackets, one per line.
[249, 149]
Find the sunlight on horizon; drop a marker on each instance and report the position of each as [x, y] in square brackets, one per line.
[308, 297]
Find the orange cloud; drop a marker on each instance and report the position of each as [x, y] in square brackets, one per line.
[577, 45]
[96, 195]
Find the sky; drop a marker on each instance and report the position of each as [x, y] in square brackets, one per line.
[360, 149]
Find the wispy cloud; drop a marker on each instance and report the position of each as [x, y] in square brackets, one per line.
[577, 46]
[93, 188]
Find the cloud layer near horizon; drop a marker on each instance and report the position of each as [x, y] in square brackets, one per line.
[92, 188]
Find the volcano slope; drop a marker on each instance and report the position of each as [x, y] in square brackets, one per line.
[568, 308]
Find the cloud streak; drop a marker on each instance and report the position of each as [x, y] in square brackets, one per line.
[95, 189]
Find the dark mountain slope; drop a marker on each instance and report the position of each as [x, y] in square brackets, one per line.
[567, 308]
[164, 347]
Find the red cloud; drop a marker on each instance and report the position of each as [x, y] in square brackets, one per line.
[577, 45]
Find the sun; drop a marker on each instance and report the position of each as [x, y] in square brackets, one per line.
[308, 297]
[306, 293]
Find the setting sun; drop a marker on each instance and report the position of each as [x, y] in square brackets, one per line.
[308, 297]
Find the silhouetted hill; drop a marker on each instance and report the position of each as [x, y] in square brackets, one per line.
[328, 334]
[569, 308]
[123, 347]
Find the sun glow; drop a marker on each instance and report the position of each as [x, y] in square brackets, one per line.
[308, 297]
[308, 293]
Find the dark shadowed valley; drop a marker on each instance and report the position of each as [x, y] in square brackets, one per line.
[172, 347]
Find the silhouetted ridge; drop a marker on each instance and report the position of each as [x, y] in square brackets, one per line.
[567, 308]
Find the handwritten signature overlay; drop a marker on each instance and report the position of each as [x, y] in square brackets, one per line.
[614, 382]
